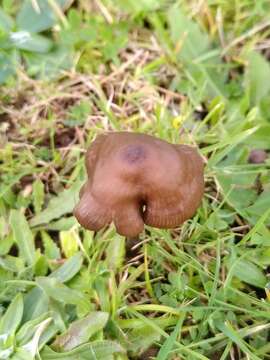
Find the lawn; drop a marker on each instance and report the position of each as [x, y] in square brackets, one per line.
[188, 71]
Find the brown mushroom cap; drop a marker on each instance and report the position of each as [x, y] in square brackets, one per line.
[136, 179]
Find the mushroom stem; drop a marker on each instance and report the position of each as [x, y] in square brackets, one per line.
[130, 243]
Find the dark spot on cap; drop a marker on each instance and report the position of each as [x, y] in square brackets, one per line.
[134, 154]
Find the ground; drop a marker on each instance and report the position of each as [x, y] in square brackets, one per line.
[191, 72]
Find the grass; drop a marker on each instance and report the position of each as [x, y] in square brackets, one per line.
[188, 72]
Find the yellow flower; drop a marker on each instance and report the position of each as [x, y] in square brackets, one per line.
[177, 122]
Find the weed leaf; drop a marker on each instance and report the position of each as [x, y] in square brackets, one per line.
[23, 236]
[81, 331]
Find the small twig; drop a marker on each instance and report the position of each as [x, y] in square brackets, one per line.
[58, 12]
[105, 12]
[248, 34]
[241, 227]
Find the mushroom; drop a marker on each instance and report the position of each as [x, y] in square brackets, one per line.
[257, 156]
[136, 179]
